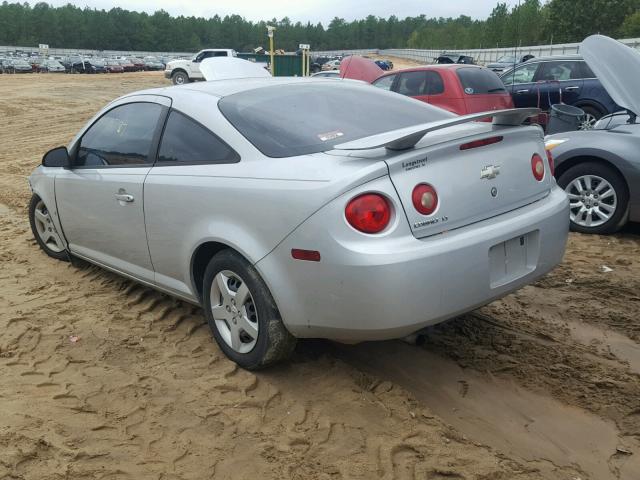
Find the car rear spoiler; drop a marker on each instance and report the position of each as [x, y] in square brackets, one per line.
[405, 138]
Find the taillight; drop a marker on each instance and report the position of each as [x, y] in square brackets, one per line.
[368, 213]
[537, 167]
[481, 143]
[425, 198]
[552, 166]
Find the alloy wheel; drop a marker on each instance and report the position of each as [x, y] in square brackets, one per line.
[45, 228]
[234, 311]
[592, 200]
[588, 122]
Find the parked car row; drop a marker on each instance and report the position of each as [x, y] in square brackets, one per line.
[80, 64]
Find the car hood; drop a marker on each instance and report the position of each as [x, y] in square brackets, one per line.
[360, 68]
[617, 67]
[224, 68]
[173, 63]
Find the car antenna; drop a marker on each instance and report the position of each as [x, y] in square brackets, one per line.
[515, 48]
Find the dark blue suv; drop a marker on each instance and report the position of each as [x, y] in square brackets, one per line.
[542, 78]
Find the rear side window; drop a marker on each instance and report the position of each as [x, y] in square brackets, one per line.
[121, 137]
[186, 141]
[479, 81]
[434, 85]
[586, 71]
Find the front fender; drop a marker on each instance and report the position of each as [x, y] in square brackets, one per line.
[42, 183]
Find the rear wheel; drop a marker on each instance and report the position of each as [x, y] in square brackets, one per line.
[598, 198]
[242, 314]
[44, 230]
[179, 78]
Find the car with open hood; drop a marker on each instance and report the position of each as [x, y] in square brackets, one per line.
[599, 169]
[447, 58]
[365, 215]
[507, 61]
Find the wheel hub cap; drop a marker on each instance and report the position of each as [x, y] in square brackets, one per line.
[46, 229]
[234, 311]
[593, 200]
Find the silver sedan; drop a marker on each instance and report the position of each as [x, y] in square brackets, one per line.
[291, 208]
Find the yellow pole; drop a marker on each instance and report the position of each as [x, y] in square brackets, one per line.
[308, 62]
[273, 67]
[304, 62]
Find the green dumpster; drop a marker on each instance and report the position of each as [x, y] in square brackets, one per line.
[288, 65]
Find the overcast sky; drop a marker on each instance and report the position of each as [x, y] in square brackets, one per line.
[303, 10]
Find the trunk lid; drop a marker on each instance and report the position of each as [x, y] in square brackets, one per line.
[472, 184]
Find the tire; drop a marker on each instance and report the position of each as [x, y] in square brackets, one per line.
[44, 231]
[591, 116]
[179, 78]
[266, 340]
[604, 207]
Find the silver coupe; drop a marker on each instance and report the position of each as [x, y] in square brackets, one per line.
[291, 208]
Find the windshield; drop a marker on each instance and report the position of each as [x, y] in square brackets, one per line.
[478, 81]
[290, 120]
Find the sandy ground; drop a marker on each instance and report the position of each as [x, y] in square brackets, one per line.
[543, 384]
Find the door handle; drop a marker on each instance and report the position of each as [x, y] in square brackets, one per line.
[569, 89]
[522, 91]
[124, 197]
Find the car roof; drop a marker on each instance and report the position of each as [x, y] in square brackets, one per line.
[435, 66]
[223, 88]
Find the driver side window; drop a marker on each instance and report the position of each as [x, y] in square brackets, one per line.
[523, 74]
[121, 137]
[384, 82]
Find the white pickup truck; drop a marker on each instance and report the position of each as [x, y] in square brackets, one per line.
[185, 71]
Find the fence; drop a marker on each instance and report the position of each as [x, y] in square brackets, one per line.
[65, 52]
[482, 56]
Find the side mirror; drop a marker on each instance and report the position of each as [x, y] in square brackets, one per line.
[57, 157]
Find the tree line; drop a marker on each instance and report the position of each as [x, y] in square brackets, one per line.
[530, 23]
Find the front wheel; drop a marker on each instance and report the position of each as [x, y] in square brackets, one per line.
[242, 314]
[179, 78]
[44, 230]
[598, 198]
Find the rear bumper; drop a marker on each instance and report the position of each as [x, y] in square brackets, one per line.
[355, 295]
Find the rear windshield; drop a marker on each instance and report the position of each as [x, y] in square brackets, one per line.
[480, 81]
[289, 120]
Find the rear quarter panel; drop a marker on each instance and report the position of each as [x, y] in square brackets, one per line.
[250, 206]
